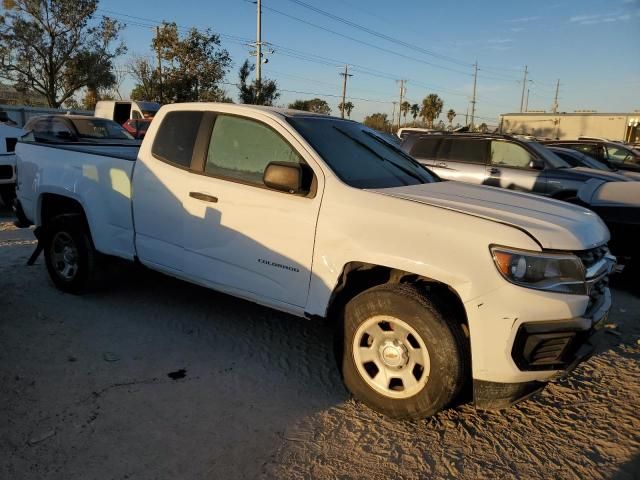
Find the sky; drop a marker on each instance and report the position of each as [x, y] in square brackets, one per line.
[591, 46]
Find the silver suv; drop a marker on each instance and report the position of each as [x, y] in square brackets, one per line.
[502, 161]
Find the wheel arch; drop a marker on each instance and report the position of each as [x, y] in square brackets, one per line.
[356, 277]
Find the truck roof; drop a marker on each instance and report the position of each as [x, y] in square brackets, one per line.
[239, 108]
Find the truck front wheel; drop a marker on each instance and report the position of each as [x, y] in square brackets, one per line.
[69, 254]
[400, 355]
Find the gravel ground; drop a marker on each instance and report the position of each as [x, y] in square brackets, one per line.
[157, 379]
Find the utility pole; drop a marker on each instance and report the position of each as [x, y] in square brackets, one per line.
[393, 115]
[526, 102]
[345, 75]
[555, 100]
[159, 62]
[401, 99]
[466, 116]
[259, 44]
[524, 84]
[473, 101]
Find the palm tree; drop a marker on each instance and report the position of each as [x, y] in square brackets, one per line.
[415, 110]
[431, 108]
[451, 114]
[404, 109]
[348, 106]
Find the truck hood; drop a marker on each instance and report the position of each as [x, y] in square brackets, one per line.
[552, 223]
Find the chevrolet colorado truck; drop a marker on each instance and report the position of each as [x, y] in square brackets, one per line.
[435, 288]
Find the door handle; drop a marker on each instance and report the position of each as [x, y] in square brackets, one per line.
[204, 197]
[441, 164]
[494, 170]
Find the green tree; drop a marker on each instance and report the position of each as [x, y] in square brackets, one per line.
[404, 109]
[316, 105]
[431, 108]
[147, 79]
[57, 47]
[415, 110]
[378, 121]
[348, 107]
[451, 114]
[256, 93]
[193, 67]
[483, 128]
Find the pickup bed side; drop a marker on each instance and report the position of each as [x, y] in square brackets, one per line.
[98, 182]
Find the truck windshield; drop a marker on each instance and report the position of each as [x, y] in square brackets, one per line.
[359, 156]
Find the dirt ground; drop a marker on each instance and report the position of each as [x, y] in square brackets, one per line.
[158, 379]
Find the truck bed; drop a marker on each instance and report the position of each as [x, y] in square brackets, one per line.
[97, 176]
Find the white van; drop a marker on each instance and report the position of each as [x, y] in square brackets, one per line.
[120, 112]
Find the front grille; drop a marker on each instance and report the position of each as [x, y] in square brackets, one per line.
[6, 172]
[597, 285]
[590, 257]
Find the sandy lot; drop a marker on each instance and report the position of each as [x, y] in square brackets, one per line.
[158, 379]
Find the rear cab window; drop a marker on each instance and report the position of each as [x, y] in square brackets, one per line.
[176, 137]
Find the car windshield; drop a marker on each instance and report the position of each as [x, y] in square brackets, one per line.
[579, 159]
[100, 128]
[359, 156]
[551, 158]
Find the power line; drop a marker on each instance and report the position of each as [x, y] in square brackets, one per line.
[381, 35]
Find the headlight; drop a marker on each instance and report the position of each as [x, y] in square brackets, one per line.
[541, 271]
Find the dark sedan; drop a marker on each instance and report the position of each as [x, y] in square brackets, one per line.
[77, 129]
[579, 159]
[614, 154]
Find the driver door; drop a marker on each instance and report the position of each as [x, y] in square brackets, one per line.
[241, 235]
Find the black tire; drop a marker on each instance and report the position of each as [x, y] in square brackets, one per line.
[73, 229]
[443, 338]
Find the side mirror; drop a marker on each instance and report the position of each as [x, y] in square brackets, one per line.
[284, 176]
[536, 164]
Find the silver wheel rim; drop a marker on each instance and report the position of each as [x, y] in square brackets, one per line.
[391, 357]
[64, 256]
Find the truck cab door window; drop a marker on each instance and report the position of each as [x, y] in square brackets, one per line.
[176, 137]
[240, 149]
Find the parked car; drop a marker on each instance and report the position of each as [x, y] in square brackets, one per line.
[138, 128]
[576, 158]
[8, 138]
[618, 203]
[614, 154]
[511, 163]
[431, 285]
[120, 111]
[76, 129]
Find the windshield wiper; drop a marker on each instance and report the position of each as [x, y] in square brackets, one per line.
[384, 159]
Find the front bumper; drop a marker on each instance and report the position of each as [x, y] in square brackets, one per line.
[547, 350]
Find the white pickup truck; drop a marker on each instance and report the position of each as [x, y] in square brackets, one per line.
[432, 285]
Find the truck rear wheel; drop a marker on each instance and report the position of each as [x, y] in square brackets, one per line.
[400, 355]
[71, 259]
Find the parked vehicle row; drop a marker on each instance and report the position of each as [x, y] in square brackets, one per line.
[431, 285]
